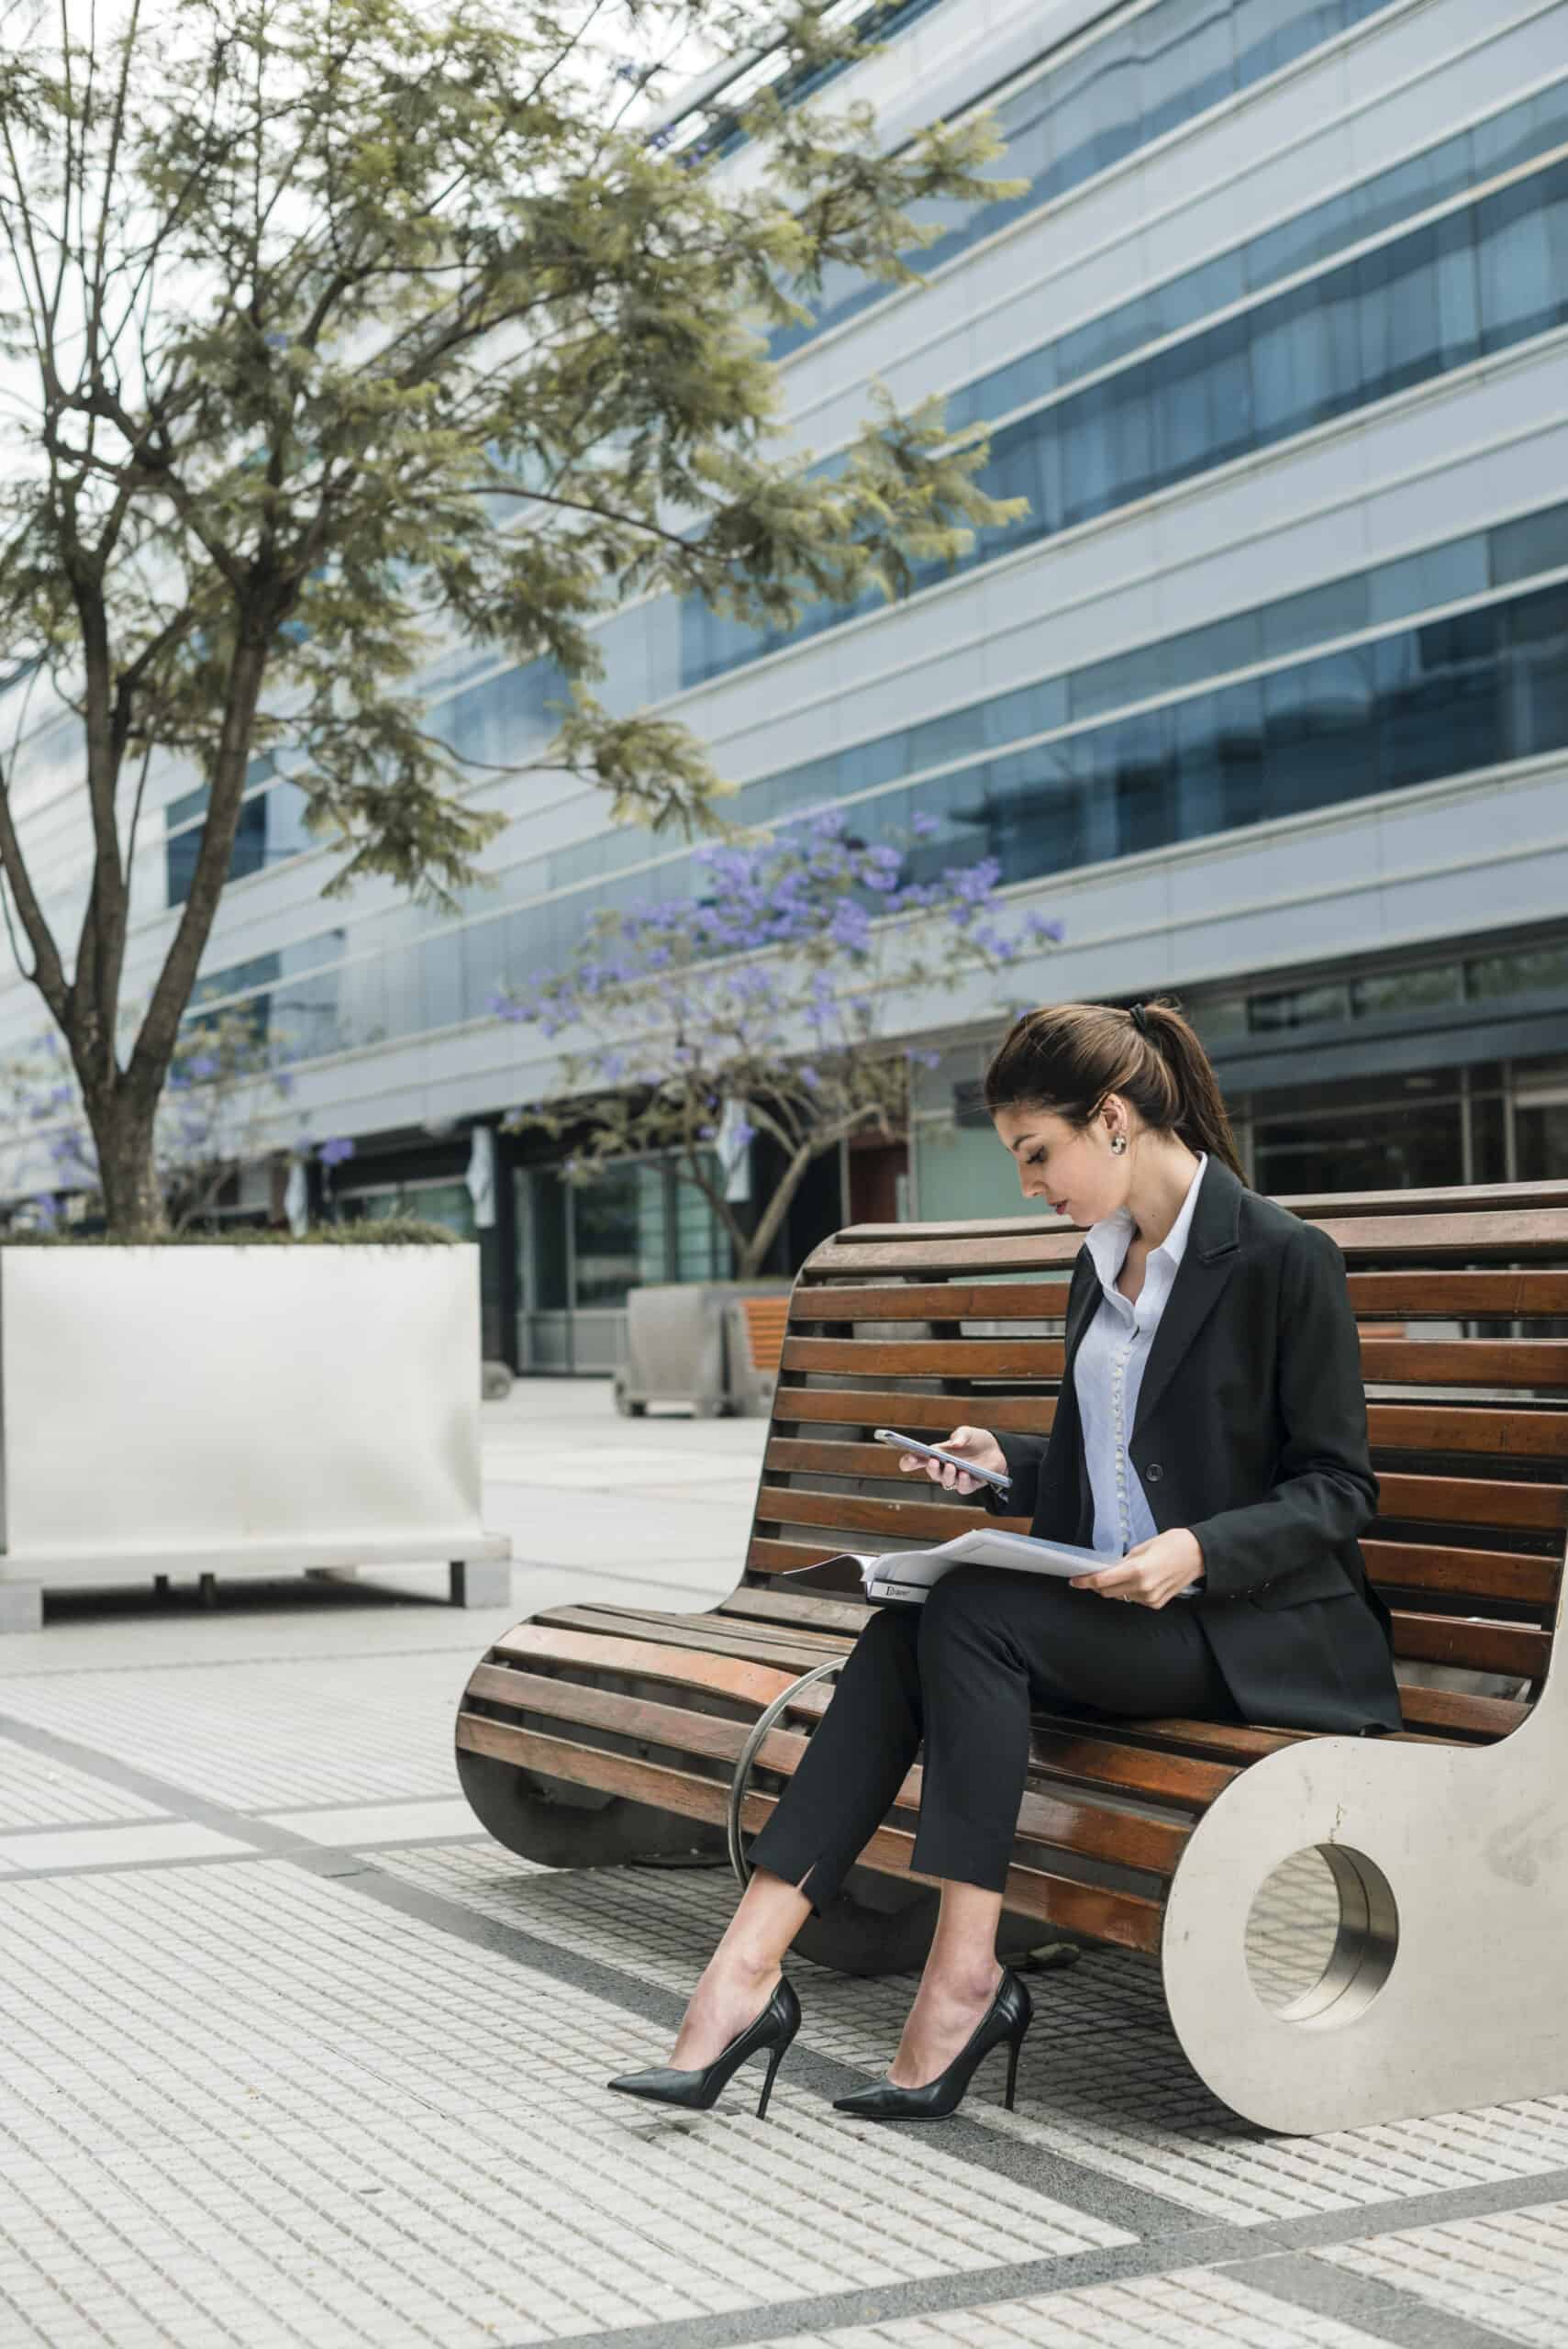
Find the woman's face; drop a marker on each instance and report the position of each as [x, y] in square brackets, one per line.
[1070, 1167]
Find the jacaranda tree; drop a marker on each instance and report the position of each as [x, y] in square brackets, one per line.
[331, 329]
[223, 1084]
[757, 1003]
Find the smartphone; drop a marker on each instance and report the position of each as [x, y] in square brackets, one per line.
[949, 1459]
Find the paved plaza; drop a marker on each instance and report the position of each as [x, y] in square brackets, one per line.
[291, 2052]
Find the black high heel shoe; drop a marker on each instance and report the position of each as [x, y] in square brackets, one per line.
[1008, 2018]
[696, 2092]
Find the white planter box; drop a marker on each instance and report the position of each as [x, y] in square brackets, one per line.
[239, 1412]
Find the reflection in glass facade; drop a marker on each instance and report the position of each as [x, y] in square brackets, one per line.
[1146, 74]
[1478, 280]
[1470, 690]
[660, 647]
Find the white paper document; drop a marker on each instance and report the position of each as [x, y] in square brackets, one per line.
[903, 1577]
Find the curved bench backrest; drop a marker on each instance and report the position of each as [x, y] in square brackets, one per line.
[1458, 1294]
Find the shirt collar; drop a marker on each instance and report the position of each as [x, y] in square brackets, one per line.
[1108, 1241]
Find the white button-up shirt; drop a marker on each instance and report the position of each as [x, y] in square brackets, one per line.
[1107, 1370]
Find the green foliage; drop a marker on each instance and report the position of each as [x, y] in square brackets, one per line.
[367, 1231]
[345, 326]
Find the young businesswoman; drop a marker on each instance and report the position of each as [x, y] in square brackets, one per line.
[1210, 1435]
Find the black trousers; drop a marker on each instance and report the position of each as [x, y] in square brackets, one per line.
[962, 1672]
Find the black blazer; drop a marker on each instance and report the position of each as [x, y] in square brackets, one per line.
[1259, 1447]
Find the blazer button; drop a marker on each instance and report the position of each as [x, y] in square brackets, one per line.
[1153, 1472]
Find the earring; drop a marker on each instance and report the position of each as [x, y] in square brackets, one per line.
[1118, 1143]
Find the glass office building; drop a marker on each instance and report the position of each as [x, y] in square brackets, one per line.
[1266, 700]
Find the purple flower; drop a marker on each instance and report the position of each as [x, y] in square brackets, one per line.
[850, 925]
[334, 1152]
[972, 883]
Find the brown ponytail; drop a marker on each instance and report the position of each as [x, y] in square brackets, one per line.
[1068, 1056]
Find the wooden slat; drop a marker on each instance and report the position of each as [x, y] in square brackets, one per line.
[915, 1518]
[828, 1456]
[819, 1608]
[1504, 1575]
[1507, 1647]
[601, 1649]
[1406, 1361]
[1466, 1198]
[642, 1720]
[1128, 1920]
[767, 1319]
[1508, 1432]
[1513, 1431]
[1094, 1759]
[928, 1358]
[1100, 1757]
[1442, 1500]
[1498, 1232]
[1460, 1295]
[1048, 1246]
[1509, 1576]
[1122, 1838]
[1313, 1206]
[725, 1633]
[1446, 1500]
[1455, 1713]
[785, 1655]
[1465, 1362]
[915, 1414]
[1025, 1244]
[1091, 1831]
[1044, 1300]
[1237, 1743]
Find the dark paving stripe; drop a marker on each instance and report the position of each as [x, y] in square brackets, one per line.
[1385, 2315]
[1170, 2235]
[1441, 2209]
[1399, 2317]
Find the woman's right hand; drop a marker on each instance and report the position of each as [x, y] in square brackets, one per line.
[970, 1443]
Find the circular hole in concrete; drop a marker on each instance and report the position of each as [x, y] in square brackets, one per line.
[1321, 1935]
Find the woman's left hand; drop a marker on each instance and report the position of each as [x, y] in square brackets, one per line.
[1152, 1573]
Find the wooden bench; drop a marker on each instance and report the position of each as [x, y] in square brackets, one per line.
[767, 1322]
[594, 1733]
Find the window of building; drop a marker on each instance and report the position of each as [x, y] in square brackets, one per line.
[1394, 1146]
[586, 1245]
[448, 1204]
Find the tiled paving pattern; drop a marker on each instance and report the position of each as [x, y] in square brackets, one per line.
[54, 1796]
[1189, 2309]
[1508, 2272]
[1102, 2080]
[365, 1824]
[106, 1847]
[261, 1736]
[236, 2096]
[322, 2082]
[1292, 1929]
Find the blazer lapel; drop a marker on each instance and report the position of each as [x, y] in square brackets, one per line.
[1082, 1303]
[1207, 1265]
